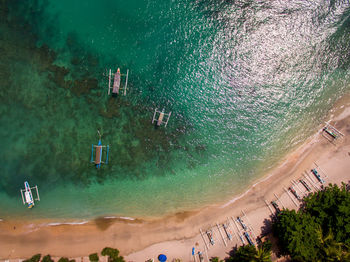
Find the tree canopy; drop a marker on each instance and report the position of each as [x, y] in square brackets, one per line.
[113, 254]
[35, 258]
[331, 210]
[297, 235]
[47, 258]
[249, 253]
[93, 257]
[320, 230]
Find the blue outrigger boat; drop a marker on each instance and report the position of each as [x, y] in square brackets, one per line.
[99, 150]
[27, 195]
[317, 175]
[247, 236]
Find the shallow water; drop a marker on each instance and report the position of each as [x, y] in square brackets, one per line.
[246, 82]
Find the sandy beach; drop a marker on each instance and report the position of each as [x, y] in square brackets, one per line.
[176, 235]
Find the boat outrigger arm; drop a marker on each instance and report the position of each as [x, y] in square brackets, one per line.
[27, 196]
[99, 150]
[116, 78]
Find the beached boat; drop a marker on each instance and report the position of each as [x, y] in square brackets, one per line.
[330, 132]
[317, 175]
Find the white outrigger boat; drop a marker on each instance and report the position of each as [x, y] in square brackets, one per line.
[28, 196]
[161, 115]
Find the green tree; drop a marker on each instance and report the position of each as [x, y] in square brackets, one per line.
[216, 259]
[63, 259]
[244, 253]
[113, 254]
[93, 257]
[35, 258]
[331, 209]
[249, 253]
[331, 250]
[47, 258]
[263, 253]
[297, 235]
[301, 234]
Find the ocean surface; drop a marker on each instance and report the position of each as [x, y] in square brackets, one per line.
[246, 82]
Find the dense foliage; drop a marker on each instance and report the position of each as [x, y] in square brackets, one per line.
[297, 235]
[249, 253]
[35, 258]
[320, 230]
[65, 259]
[331, 210]
[216, 259]
[47, 258]
[113, 254]
[93, 257]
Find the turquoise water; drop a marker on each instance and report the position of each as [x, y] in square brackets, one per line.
[246, 82]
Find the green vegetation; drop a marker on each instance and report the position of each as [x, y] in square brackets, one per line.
[113, 254]
[216, 259]
[331, 210]
[252, 254]
[47, 258]
[297, 235]
[93, 257]
[320, 230]
[35, 258]
[65, 259]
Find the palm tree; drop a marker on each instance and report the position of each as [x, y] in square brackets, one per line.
[331, 250]
[250, 253]
[263, 254]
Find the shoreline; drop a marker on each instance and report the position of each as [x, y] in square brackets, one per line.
[175, 235]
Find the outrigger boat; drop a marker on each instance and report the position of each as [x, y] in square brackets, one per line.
[242, 223]
[116, 82]
[227, 231]
[275, 205]
[210, 236]
[247, 236]
[305, 185]
[99, 150]
[161, 116]
[331, 133]
[317, 175]
[27, 197]
[291, 189]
